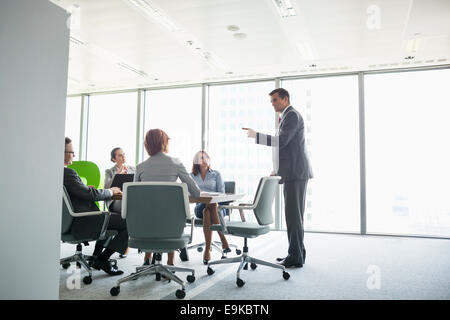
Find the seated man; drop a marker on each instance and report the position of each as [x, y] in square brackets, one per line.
[83, 199]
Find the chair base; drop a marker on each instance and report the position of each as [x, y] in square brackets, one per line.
[83, 260]
[157, 269]
[243, 261]
[217, 245]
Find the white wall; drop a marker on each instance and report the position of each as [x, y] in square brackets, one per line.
[34, 47]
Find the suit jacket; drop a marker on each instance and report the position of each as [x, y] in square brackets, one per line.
[294, 163]
[161, 167]
[83, 200]
[82, 197]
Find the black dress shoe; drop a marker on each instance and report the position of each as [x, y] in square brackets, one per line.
[290, 262]
[281, 259]
[107, 267]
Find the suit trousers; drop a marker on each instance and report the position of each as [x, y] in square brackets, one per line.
[119, 243]
[294, 207]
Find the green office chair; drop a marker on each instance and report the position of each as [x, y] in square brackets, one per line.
[262, 208]
[68, 216]
[88, 172]
[230, 187]
[156, 215]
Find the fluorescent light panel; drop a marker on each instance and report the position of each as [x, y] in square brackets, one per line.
[155, 14]
[284, 8]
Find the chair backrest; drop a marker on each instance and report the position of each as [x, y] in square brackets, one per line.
[87, 171]
[155, 209]
[264, 196]
[67, 210]
[230, 186]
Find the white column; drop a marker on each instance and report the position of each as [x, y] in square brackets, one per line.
[34, 42]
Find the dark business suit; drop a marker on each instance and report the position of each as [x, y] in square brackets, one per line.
[295, 170]
[83, 200]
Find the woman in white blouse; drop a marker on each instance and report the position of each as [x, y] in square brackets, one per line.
[210, 181]
[118, 157]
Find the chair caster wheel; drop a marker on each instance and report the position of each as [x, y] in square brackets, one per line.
[87, 280]
[286, 275]
[199, 249]
[114, 291]
[66, 265]
[253, 266]
[180, 294]
[238, 252]
[158, 277]
[210, 271]
[190, 278]
[240, 283]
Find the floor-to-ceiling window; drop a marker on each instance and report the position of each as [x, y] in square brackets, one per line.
[329, 107]
[111, 123]
[73, 118]
[407, 152]
[179, 113]
[237, 157]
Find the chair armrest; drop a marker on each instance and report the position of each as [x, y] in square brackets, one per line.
[86, 214]
[192, 229]
[105, 224]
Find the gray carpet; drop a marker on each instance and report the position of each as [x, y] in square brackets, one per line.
[337, 267]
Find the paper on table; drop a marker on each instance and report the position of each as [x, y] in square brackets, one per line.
[207, 194]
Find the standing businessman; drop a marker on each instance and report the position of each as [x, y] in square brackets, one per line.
[292, 164]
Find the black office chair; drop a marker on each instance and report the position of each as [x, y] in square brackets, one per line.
[68, 216]
[230, 187]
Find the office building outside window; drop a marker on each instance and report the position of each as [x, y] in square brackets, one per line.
[329, 107]
[179, 113]
[237, 157]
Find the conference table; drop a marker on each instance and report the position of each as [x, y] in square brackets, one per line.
[210, 199]
[206, 198]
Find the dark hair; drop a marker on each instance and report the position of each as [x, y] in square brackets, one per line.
[113, 153]
[282, 93]
[196, 166]
[68, 141]
[156, 140]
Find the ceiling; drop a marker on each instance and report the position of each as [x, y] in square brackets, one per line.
[117, 46]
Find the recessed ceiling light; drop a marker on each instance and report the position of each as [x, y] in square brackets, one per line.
[313, 65]
[409, 57]
[240, 35]
[233, 28]
[229, 72]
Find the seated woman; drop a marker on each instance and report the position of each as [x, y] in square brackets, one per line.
[210, 181]
[118, 157]
[161, 167]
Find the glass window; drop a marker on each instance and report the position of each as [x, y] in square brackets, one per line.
[407, 153]
[329, 107]
[112, 123]
[237, 157]
[73, 118]
[179, 113]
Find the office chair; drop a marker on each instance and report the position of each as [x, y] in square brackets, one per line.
[262, 208]
[230, 187]
[156, 215]
[68, 216]
[89, 174]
